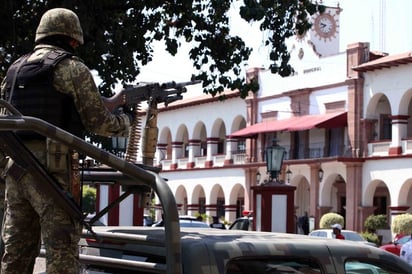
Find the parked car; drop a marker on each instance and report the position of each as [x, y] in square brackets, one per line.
[188, 217]
[395, 246]
[186, 221]
[216, 251]
[147, 220]
[348, 234]
[192, 223]
[242, 223]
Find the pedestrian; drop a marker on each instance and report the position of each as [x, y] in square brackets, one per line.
[52, 84]
[406, 251]
[337, 231]
[303, 222]
[217, 224]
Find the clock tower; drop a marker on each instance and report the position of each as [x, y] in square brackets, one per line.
[324, 34]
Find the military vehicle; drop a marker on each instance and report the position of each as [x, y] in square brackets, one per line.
[216, 251]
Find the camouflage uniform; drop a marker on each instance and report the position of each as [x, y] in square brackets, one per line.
[30, 213]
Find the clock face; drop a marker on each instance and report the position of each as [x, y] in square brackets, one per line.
[325, 26]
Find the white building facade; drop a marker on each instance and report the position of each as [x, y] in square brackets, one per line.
[345, 113]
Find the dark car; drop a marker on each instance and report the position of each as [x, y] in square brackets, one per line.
[395, 246]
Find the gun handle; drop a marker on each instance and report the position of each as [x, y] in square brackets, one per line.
[114, 102]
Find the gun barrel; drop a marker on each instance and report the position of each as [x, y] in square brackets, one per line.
[173, 84]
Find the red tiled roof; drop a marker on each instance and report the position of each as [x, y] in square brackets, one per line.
[386, 62]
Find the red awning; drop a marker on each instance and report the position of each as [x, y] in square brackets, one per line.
[327, 120]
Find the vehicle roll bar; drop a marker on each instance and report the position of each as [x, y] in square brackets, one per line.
[14, 121]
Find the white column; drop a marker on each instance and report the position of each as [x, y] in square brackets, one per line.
[211, 148]
[177, 152]
[399, 131]
[231, 145]
[194, 151]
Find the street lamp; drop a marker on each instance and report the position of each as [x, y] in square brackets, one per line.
[274, 159]
[258, 178]
[320, 174]
[288, 175]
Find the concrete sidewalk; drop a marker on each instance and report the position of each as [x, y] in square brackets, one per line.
[40, 266]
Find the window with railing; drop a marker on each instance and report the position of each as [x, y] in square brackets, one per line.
[186, 150]
[220, 207]
[385, 127]
[203, 148]
[241, 146]
[335, 141]
[221, 146]
[299, 139]
[202, 205]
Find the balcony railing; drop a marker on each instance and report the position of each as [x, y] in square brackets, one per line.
[219, 160]
[315, 150]
[379, 148]
[240, 158]
[200, 161]
[407, 146]
[375, 149]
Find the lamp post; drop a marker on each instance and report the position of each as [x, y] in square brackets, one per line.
[258, 178]
[320, 174]
[274, 204]
[274, 160]
[288, 175]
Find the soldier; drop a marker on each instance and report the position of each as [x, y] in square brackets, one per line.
[53, 84]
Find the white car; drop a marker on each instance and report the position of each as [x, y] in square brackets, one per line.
[193, 223]
[186, 221]
[348, 234]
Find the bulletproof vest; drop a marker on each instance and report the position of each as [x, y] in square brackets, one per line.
[34, 94]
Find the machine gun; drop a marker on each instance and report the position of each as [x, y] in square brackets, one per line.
[131, 95]
[154, 93]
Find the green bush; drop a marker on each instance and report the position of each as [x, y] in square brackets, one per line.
[374, 222]
[329, 219]
[402, 224]
[89, 200]
[371, 237]
[202, 215]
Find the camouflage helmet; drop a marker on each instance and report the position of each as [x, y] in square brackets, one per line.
[59, 21]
